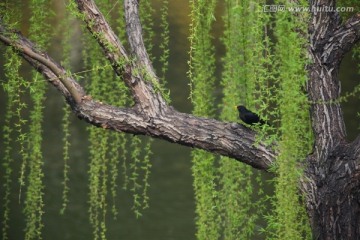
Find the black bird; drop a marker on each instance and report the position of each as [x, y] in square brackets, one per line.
[249, 117]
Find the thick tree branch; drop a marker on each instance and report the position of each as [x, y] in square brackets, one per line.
[228, 139]
[342, 40]
[325, 21]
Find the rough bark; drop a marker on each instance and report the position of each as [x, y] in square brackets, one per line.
[331, 180]
[150, 115]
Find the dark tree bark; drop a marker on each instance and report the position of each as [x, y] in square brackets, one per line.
[332, 175]
[331, 181]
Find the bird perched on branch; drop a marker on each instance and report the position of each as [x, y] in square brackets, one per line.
[249, 117]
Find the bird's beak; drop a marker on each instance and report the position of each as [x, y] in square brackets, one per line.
[235, 107]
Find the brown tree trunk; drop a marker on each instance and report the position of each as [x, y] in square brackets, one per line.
[333, 194]
[331, 181]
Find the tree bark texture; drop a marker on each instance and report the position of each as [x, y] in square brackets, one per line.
[150, 115]
[331, 179]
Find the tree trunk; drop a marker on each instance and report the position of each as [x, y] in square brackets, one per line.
[331, 181]
[333, 194]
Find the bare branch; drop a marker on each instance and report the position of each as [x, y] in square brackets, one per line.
[327, 20]
[342, 40]
[134, 31]
[107, 39]
[142, 90]
[41, 61]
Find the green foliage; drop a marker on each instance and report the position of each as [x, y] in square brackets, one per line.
[348, 8]
[66, 157]
[290, 221]
[14, 87]
[13, 113]
[141, 165]
[114, 157]
[146, 168]
[67, 33]
[262, 85]
[39, 32]
[7, 139]
[202, 61]
[120, 22]
[98, 177]
[164, 45]
[244, 80]
[108, 148]
[201, 73]
[137, 172]
[99, 139]
[13, 120]
[134, 177]
[204, 174]
[147, 24]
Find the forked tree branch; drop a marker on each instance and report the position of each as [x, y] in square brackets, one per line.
[342, 40]
[139, 81]
[150, 115]
[329, 41]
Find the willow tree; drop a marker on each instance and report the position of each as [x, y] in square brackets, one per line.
[291, 79]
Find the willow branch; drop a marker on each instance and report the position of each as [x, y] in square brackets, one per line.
[157, 118]
[150, 116]
[40, 60]
[113, 49]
